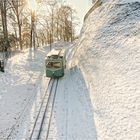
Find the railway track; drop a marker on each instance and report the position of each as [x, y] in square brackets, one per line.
[41, 127]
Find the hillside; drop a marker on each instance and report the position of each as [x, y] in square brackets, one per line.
[108, 55]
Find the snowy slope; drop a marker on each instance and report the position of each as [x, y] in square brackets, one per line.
[108, 55]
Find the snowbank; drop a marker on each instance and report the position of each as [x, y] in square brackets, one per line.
[108, 54]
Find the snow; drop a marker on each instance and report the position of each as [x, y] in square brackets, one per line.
[53, 52]
[108, 55]
[119, 1]
[98, 98]
[24, 84]
[73, 117]
[18, 88]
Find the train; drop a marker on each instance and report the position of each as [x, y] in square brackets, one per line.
[55, 63]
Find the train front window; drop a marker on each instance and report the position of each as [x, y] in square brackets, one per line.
[54, 65]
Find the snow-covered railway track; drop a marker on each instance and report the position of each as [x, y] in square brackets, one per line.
[21, 115]
[41, 127]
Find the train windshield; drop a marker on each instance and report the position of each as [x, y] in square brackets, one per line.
[54, 65]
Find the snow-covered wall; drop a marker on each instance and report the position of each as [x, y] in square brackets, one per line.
[108, 54]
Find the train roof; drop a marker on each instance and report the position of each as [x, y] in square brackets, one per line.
[56, 52]
[53, 52]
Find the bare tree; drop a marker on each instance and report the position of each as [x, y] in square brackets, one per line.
[17, 7]
[66, 21]
[26, 34]
[58, 24]
[3, 10]
[52, 5]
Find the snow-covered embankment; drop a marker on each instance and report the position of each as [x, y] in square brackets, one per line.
[109, 56]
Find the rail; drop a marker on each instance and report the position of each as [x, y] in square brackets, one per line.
[42, 123]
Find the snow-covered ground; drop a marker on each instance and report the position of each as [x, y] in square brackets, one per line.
[22, 87]
[108, 55]
[19, 86]
[73, 115]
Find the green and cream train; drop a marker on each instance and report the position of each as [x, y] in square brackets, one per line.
[55, 63]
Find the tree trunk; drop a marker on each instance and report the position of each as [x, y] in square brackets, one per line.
[20, 36]
[4, 25]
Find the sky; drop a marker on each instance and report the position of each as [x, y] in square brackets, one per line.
[81, 6]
